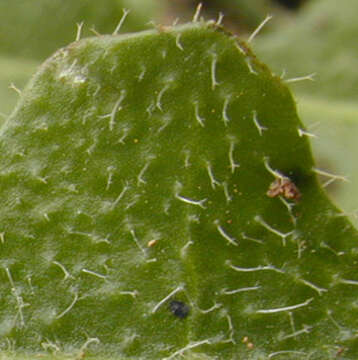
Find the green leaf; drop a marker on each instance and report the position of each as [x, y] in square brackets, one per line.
[159, 199]
[324, 35]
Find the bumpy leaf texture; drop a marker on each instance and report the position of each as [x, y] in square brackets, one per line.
[159, 199]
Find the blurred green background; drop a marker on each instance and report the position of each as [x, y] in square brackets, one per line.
[304, 37]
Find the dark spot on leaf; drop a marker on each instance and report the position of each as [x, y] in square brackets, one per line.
[179, 309]
[302, 178]
[291, 4]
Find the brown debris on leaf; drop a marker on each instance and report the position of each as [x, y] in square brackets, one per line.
[285, 187]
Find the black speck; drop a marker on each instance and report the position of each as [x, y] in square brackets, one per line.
[179, 309]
